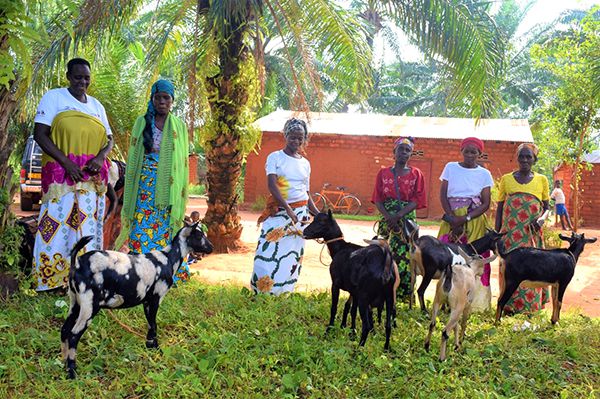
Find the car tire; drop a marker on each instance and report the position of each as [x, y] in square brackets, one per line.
[26, 203]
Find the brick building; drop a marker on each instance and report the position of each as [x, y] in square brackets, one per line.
[349, 150]
[589, 189]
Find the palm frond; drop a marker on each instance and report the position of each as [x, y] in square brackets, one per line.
[466, 38]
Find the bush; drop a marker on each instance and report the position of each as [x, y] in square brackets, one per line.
[11, 236]
[259, 204]
[197, 189]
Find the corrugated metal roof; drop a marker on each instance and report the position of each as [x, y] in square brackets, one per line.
[592, 157]
[416, 126]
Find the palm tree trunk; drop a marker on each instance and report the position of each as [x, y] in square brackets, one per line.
[7, 106]
[577, 178]
[227, 97]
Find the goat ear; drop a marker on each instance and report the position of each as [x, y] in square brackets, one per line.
[329, 214]
[564, 238]
[590, 240]
[463, 254]
[490, 259]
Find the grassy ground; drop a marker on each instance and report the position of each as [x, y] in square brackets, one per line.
[227, 343]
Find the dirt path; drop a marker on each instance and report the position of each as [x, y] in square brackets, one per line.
[583, 291]
[235, 268]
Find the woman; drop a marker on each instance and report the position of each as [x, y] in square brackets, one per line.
[72, 129]
[156, 178]
[399, 191]
[522, 204]
[278, 258]
[465, 197]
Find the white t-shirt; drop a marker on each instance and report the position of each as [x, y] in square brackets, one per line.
[558, 196]
[466, 182]
[293, 175]
[60, 100]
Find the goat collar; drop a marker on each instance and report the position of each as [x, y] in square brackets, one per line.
[320, 241]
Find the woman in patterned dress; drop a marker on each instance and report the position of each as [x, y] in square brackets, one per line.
[399, 191]
[72, 129]
[156, 177]
[280, 248]
[523, 198]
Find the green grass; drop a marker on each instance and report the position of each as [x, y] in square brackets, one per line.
[227, 343]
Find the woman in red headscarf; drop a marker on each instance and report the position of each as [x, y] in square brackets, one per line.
[399, 191]
[465, 197]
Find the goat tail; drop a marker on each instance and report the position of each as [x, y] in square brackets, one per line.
[78, 247]
[501, 249]
[447, 285]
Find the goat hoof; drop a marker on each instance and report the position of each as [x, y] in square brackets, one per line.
[352, 334]
[426, 346]
[152, 344]
[71, 374]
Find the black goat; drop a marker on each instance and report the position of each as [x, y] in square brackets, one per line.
[110, 279]
[365, 272]
[540, 268]
[430, 257]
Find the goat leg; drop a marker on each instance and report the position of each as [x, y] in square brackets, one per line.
[509, 289]
[335, 296]
[363, 308]
[389, 312]
[346, 310]
[434, 311]
[150, 310]
[421, 291]
[452, 324]
[87, 312]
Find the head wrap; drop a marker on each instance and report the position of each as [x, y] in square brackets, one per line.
[472, 141]
[534, 148]
[295, 124]
[160, 85]
[409, 141]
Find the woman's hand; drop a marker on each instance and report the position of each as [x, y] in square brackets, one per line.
[392, 221]
[94, 165]
[72, 170]
[291, 214]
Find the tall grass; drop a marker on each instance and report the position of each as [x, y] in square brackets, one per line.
[224, 342]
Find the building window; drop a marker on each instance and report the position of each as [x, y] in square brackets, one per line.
[483, 157]
[418, 153]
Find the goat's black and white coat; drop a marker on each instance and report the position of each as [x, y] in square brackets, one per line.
[110, 279]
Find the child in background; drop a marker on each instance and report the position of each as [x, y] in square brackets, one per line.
[559, 201]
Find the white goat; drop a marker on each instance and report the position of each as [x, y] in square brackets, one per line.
[456, 287]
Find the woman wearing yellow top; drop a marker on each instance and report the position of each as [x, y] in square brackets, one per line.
[523, 198]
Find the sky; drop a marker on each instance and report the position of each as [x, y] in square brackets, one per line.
[543, 11]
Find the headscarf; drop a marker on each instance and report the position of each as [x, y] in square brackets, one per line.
[160, 85]
[409, 141]
[472, 141]
[295, 124]
[534, 148]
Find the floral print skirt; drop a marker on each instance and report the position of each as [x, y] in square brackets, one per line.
[62, 223]
[400, 248]
[150, 229]
[279, 252]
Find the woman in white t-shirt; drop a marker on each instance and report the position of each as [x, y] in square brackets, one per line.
[278, 258]
[72, 129]
[465, 197]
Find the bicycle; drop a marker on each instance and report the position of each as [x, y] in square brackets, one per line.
[340, 200]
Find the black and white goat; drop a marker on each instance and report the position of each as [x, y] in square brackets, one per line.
[367, 273]
[430, 257]
[456, 287]
[110, 279]
[540, 268]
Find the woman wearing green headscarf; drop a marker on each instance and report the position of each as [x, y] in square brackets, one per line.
[156, 178]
